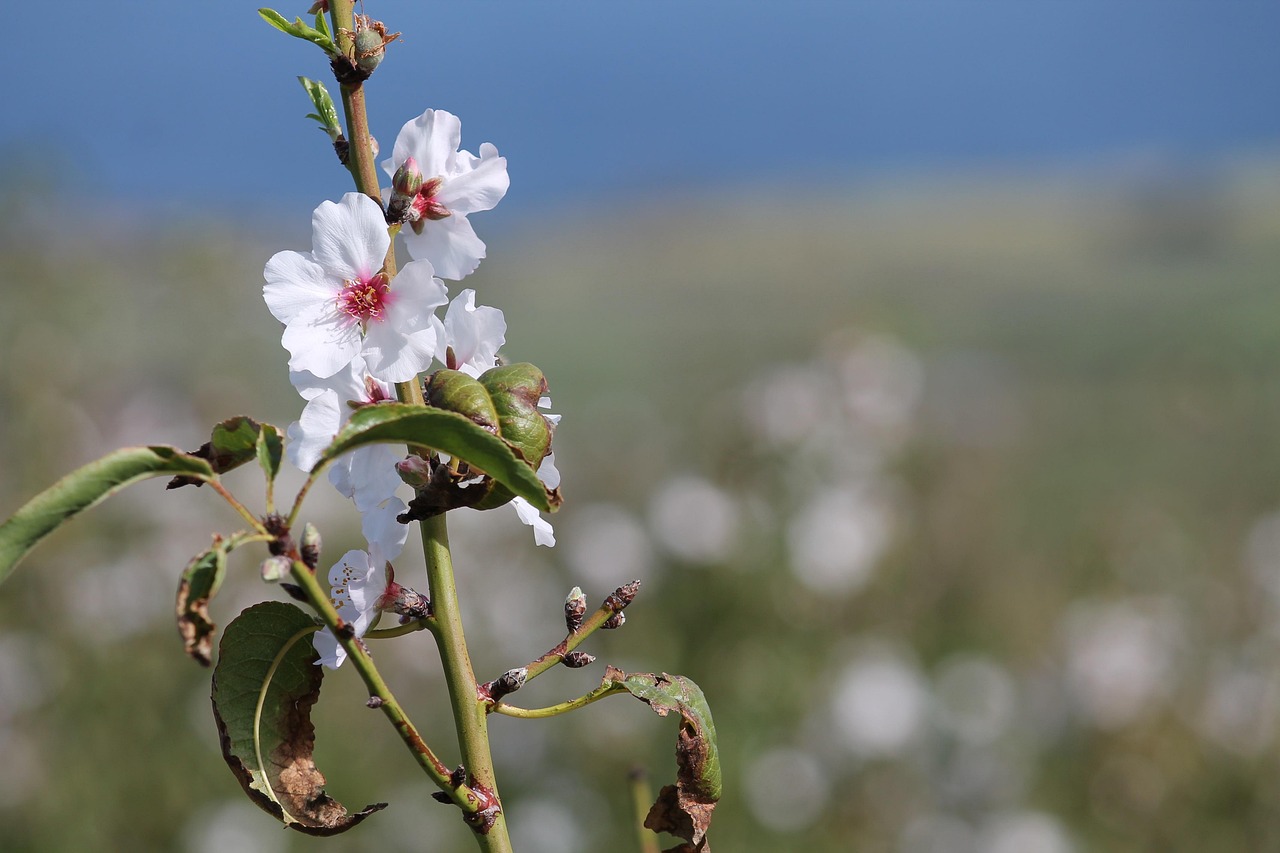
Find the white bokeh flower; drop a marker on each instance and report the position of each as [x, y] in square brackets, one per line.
[457, 183]
[337, 304]
[367, 475]
[470, 336]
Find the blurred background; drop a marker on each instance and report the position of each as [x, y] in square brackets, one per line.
[922, 359]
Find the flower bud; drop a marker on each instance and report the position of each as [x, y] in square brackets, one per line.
[414, 471]
[408, 178]
[622, 596]
[507, 683]
[577, 660]
[575, 606]
[310, 550]
[275, 569]
[617, 620]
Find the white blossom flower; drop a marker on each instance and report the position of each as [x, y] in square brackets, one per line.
[470, 336]
[358, 588]
[337, 303]
[457, 183]
[367, 474]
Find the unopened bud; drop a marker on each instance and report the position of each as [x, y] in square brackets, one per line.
[408, 178]
[575, 606]
[414, 470]
[458, 777]
[617, 620]
[577, 660]
[374, 702]
[310, 549]
[622, 596]
[274, 569]
[507, 683]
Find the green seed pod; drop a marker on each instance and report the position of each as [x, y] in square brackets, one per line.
[369, 49]
[515, 390]
[458, 392]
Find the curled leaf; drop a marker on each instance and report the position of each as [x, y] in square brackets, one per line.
[264, 686]
[86, 487]
[683, 809]
[200, 582]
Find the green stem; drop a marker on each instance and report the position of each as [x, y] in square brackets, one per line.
[236, 505]
[469, 712]
[554, 656]
[463, 796]
[641, 798]
[426, 623]
[562, 708]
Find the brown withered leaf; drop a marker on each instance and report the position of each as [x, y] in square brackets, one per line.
[200, 582]
[683, 809]
[266, 653]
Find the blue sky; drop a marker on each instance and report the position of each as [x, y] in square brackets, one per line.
[189, 106]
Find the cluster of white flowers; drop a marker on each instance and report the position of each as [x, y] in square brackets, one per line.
[352, 333]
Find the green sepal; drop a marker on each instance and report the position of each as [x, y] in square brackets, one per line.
[447, 432]
[298, 29]
[86, 487]
[683, 809]
[264, 686]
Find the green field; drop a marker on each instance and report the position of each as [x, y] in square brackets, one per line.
[960, 504]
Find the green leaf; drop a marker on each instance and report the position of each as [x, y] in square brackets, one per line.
[297, 29]
[322, 26]
[231, 444]
[269, 446]
[200, 582]
[448, 432]
[264, 686]
[683, 809]
[326, 113]
[84, 488]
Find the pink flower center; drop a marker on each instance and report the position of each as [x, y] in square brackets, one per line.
[366, 299]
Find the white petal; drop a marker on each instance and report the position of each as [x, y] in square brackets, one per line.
[309, 435]
[365, 593]
[450, 244]
[431, 139]
[402, 346]
[474, 333]
[367, 475]
[331, 653]
[548, 473]
[348, 383]
[385, 535]
[349, 239]
[296, 284]
[543, 533]
[321, 342]
[478, 188]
